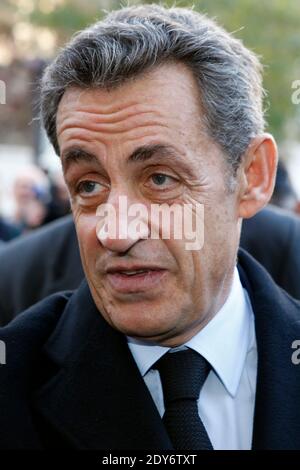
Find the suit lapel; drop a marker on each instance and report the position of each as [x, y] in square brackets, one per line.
[277, 325]
[98, 400]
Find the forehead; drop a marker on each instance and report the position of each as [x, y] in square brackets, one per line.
[168, 92]
[162, 107]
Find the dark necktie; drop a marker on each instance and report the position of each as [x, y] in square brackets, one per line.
[183, 374]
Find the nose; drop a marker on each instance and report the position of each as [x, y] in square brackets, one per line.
[116, 229]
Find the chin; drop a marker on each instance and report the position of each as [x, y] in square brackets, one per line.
[141, 326]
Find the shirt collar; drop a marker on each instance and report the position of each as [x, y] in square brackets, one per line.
[224, 341]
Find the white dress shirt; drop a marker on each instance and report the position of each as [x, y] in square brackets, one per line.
[226, 401]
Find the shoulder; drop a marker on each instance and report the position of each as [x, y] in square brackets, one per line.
[53, 234]
[264, 293]
[37, 265]
[273, 237]
[24, 366]
[37, 249]
[25, 336]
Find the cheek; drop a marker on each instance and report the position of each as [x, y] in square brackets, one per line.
[220, 240]
[186, 264]
[88, 242]
[220, 220]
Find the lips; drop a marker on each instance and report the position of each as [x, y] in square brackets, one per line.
[135, 272]
[135, 279]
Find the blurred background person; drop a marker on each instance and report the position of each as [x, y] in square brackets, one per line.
[59, 203]
[8, 231]
[32, 194]
[272, 236]
[39, 198]
[284, 194]
[31, 33]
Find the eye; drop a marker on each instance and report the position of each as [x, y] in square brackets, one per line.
[161, 179]
[88, 188]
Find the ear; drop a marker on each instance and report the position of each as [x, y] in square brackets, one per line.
[257, 175]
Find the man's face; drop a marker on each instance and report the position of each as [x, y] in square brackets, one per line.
[145, 140]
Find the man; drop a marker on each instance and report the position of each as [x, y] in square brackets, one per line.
[166, 346]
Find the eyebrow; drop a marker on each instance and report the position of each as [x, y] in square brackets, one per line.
[77, 155]
[167, 153]
[147, 152]
[140, 155]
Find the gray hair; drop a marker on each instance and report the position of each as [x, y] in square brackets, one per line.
[134, 39]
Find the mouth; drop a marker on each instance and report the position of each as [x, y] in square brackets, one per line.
[135, 279]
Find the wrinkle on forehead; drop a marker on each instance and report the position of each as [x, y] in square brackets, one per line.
[100, 113]
[170, 84]
[98, 122]
[164, 103]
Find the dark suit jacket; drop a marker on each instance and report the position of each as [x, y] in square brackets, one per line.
[71, 382]
[273, 237]
[37, 265]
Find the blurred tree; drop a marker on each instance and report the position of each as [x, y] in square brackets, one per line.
[69, 16]
[271, 28]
